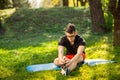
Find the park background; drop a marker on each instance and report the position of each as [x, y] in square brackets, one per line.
[30, 31]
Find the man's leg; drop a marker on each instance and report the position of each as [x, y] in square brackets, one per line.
[74, 65]
[63, 67]
[70, 68]
[56, 62]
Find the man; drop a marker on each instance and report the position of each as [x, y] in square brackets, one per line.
[75, 47]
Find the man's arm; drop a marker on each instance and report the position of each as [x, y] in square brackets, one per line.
[61, 54]
[79, 53]
[77, 56]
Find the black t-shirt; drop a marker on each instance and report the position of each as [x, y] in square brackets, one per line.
[72, 49]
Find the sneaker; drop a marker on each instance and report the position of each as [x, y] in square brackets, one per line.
[63, 68]
[65, 71]
[62, 71]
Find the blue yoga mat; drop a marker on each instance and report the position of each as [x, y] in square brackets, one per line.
[42, 67]
[52, 66]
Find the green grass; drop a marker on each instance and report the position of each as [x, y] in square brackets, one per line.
[32, 37]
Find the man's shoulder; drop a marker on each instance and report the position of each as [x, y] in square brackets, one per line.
[79, 38]
[63, 41]
[64, 37]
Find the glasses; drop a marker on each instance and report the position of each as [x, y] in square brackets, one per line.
[72, 36]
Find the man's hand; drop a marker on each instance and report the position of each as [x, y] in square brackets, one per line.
[62, 61]
[69, 62]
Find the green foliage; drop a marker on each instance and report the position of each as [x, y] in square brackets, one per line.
[3, 4]
[55, 2]
[6, 4]
[107, 15]
[21, 3]
[108, 21]
[32, 37]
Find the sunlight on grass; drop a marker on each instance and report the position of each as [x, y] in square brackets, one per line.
[87, 73]
[52, 75]
[100, 49]
[6, 13]
[46, 47]
[44, 75]
[4, 72]
[3, 51]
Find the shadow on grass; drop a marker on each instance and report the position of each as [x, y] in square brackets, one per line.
[31, 27]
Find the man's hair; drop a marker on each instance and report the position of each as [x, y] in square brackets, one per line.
[70, 28]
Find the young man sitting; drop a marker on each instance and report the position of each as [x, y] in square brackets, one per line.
[75, 46]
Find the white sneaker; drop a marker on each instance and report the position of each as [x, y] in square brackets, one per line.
[65, 71]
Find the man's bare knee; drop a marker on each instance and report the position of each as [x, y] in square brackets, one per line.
[79, 60]
[56, 62]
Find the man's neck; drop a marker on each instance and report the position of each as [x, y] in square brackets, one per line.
[72, 43]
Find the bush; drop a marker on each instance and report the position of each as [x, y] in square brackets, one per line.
[5, 4]
[108, 21]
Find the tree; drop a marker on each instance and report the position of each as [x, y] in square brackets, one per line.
[1, 28]
[65, 2]
[22, 3]
[114, 7]
[5, 4]
[98, 22]
[82, 2]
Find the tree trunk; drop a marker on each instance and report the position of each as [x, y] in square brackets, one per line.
[65, 2]
[74, 3]
[114, 7]
[0, 25]
[116, 39]
[97, 16]
[1, 28]
[82, 2]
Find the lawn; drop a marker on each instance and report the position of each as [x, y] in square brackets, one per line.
[32, 37]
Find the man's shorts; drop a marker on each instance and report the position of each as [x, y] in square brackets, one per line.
[70, 56]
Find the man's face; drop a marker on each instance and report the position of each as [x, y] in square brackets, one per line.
[71, 37]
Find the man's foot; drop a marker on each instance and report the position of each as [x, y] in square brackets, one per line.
[65, 71]
[63, 67]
